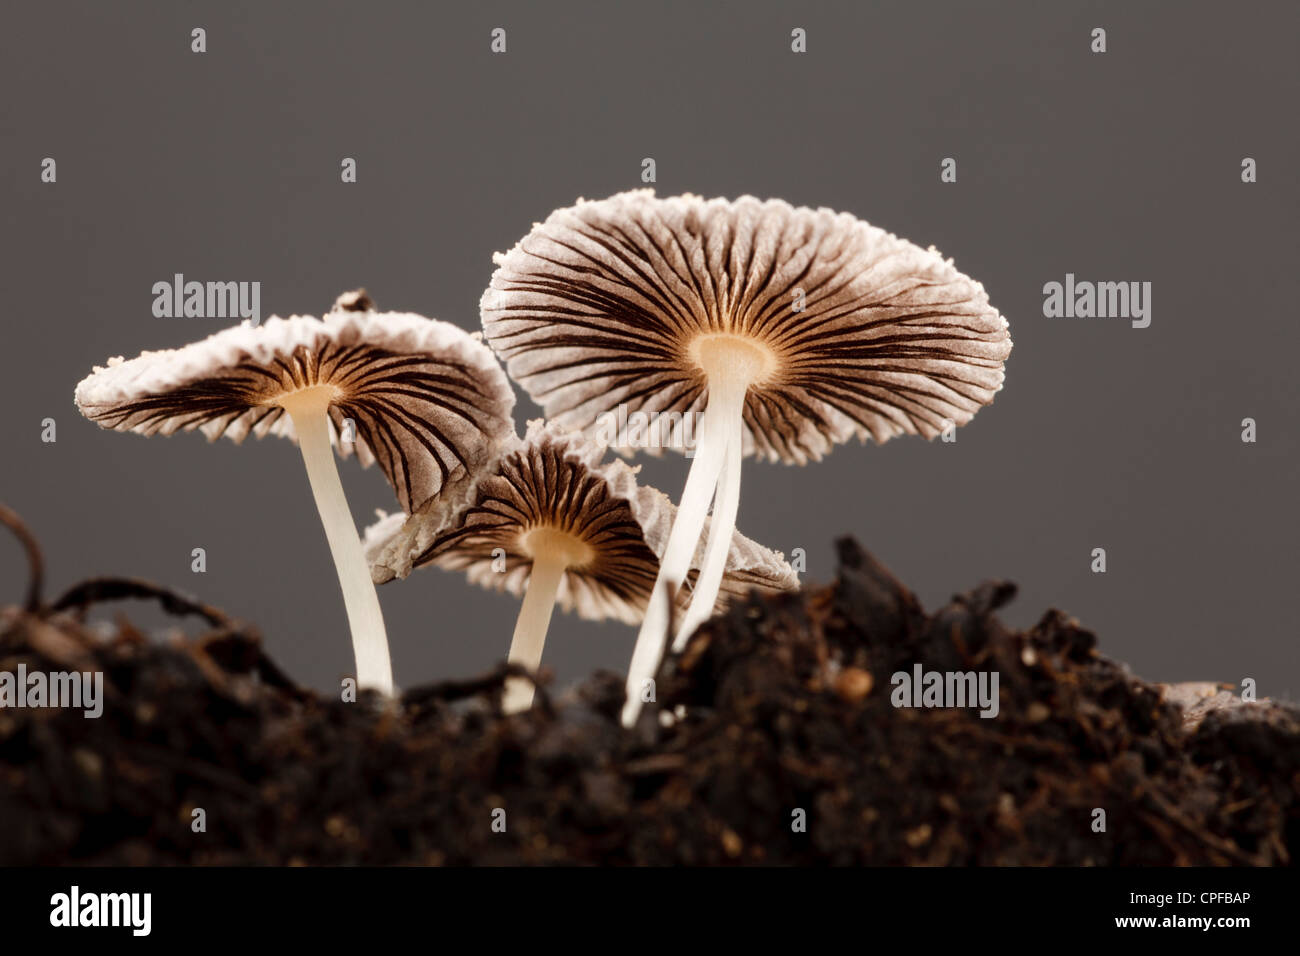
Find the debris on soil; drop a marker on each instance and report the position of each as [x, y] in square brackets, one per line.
[773, 741]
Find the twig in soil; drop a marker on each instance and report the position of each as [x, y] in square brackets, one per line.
[233, 651]
[493, 682]
[95, 590]
[9, 518]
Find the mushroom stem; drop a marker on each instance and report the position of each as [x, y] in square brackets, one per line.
[721, 527]
[730, 369]
[530, 629]
[308, 408]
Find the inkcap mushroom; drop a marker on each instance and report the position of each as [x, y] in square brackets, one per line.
[555, 523]
[423, 398]
[790, 329]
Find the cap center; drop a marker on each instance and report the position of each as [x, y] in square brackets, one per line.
[740, 358]
[546, 543]
[310, 400]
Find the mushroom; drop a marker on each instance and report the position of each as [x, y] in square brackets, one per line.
[791, 330]
[554, 523]
[421, 397]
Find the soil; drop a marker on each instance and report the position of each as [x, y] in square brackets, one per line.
[773, 741]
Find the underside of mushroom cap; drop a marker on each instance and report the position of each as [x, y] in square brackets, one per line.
[429, 402]
[555, 478]
[606, 303]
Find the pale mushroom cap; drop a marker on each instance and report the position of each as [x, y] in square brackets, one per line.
[599, 306]
[429, 401]
[555, 478]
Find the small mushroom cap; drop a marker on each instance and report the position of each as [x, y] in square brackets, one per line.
[555, 479]
[429, 401]
[600, 306]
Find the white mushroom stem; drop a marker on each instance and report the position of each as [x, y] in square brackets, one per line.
[309, 410]
[731, 364]
[530, 631]
[721, 527]
[553, 552]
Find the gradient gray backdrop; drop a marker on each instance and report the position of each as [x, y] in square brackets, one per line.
[1122, 166]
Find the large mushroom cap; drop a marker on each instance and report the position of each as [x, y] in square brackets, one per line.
[608, 302]
[555, 480]
[428, 401]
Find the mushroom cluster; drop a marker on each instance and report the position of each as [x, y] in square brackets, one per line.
[790, 330]
[785, 331]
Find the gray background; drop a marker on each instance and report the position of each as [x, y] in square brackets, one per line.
[1122, 166]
